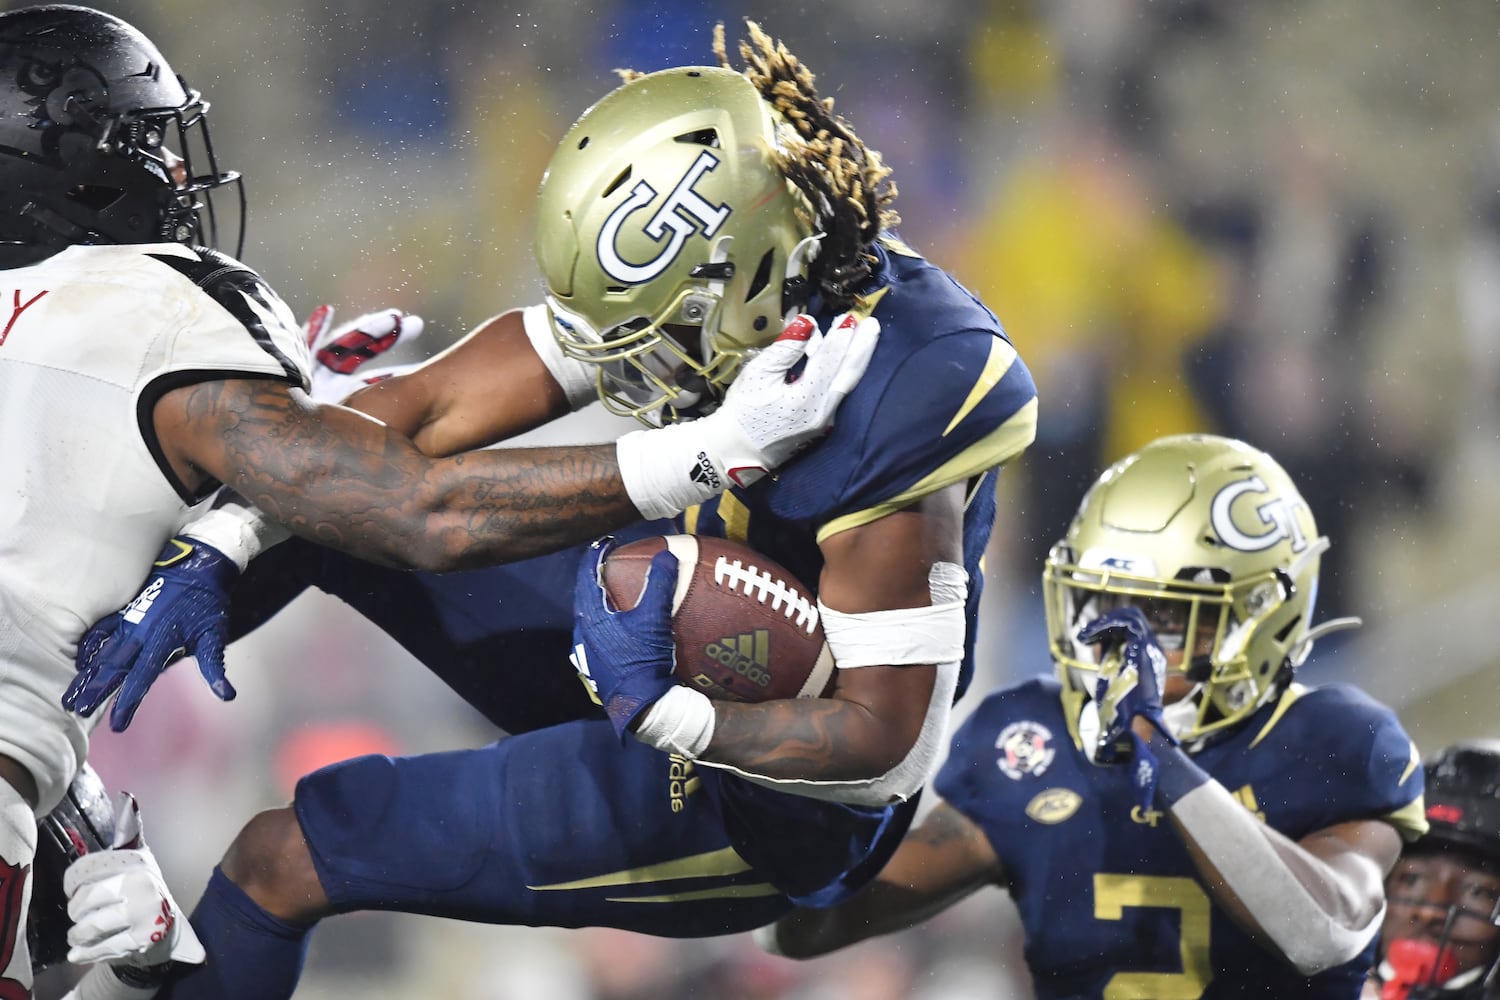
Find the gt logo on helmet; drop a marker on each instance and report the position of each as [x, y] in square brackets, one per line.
[683, 212]
[1276, 514]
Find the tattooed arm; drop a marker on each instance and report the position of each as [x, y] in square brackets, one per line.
[876, 713]
[344, 480]
[940, 862]
[361, 485]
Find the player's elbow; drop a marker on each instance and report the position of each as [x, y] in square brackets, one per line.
[1316, 946]
[420, 559]
[1311, 958]
[801, 935]
[427, 549]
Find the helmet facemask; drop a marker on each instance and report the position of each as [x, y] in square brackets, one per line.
[1185, 615]
[188, 212]
[679, 363]
[195, 215]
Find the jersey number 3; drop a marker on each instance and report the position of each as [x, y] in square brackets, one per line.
[1113, 894]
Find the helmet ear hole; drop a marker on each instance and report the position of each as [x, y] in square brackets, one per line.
[700, 137]
[615, 184]
[762, 276]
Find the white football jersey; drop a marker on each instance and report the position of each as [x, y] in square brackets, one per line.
[90, 339]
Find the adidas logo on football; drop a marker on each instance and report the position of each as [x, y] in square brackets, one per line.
[747, 654]
[705, 474]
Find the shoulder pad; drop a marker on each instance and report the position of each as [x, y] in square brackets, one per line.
[246, 296]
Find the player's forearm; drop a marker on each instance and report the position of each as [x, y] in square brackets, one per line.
[880, 908]
[480, 508]
[836, 749]
[1312, 913]
[940, 862]
[505, 377]
[880, 739]
[343, 480]
[812, 739]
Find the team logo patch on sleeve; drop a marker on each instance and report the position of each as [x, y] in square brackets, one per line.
[1025, 748]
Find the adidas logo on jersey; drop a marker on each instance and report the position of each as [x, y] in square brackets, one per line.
[681, 781]
[136, 609]
[705, 473]
[747, 654]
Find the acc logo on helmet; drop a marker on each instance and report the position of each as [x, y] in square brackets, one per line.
[682, 213]
[1277, 514]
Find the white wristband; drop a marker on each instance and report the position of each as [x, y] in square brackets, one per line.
[667, 470]
[238, 531]
[680, 721]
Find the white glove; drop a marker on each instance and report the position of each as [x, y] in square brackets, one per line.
[765, 419]
[121, 909]
[340, 353]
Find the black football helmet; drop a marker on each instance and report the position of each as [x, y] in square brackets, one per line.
[83, 821]
[1463, 816]
[100, 141]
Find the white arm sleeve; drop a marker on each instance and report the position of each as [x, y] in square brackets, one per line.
[1311, 939]
[578, 380]
[905, 636]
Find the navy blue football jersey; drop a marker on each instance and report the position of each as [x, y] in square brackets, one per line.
[1111, 903]
[945, 400]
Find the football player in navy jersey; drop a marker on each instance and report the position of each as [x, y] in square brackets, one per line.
[140, 370]
[1441, 936]
[681, 221]
[1233, 840]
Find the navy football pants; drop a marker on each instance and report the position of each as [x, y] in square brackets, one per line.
[562, 827]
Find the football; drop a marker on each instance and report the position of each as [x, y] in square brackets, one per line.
[746, 629]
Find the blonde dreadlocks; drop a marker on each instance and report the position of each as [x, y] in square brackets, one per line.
[845, 183]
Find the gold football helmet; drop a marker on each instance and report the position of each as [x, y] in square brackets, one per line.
[1205, 534]
[671, 242]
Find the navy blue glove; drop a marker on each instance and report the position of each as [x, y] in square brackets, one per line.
[1132, 673]
[183, 610]
[624, 658]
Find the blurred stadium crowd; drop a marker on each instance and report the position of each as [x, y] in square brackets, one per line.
[1278, 221]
